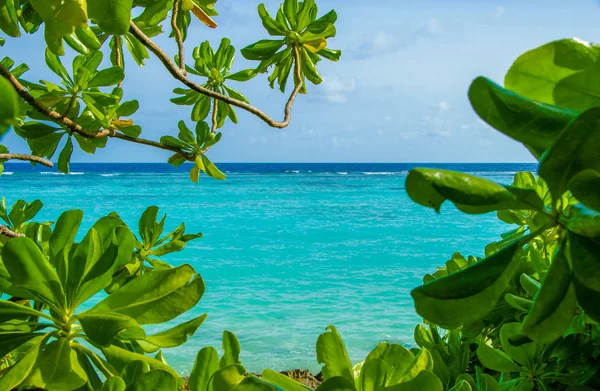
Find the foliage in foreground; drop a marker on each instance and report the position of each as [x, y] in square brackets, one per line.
[524, 317]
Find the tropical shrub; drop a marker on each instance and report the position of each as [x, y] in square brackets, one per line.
[531, 305]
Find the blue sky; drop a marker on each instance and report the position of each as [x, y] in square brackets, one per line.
[399, 94]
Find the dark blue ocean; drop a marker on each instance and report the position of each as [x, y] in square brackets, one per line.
[288, 249]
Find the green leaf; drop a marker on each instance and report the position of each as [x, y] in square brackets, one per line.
[525, 353]
[331, 351]
[253, 383]
[133, 370]
[156, 379]
[15, 375]
[303, 16]
[174, 143]
[535, 124]
[107, 77]
[211, 169]
[424, 381]
[467, 296]
[573, 152]
[337, 383]
[309, 68]
[64, 159]
[150, 229]
[244, 75]
[423, 361]
[201, 108]
[9, 22]
[495, 359]
[114, 384]
[156, 297]
[62, 239]
[105, 249]
[112, 16]
[231, 350]
[186, 134]
[282, 381]
[583, 186]
[119, 358]
[462, 385]
[373, 375]
[262, 50]
[397, 357]
[10, 311]
[206, 364]
[228, 377]
[131, 131]
[57, 368]
[332, 55]
[470, 194]
[9, 105]
[290, 9]
[102, 328]
[57, 67]
[273, 27]
[585, 261]
[30, 271]
[582, 221]
[127, 109]
[562, 73]
[177, 335]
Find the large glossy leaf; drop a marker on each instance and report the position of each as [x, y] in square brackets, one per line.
[535, 124]
[206, 364]
[585, 260]
[112, 16]
[331, 352]
[156, 297]
[496, 359]
[31, 272]
[62, 240]
[119, 358]
[262, 50]
[57, 368]
[156, 379]
[524, 354]
[227, 377]
[467, 296]
[231, 350]
[284, 382]
[101, 328]
[397, 357]
[561, 73]
[133, 370]
[337, 383]
[10, 311]
[253, 383]
[424, 381]
[423, 361]
[373, 375]
[15, 375]
[584, 187]
[97, 259]
[9, 105]
[582, 221]
[177, 335]
[554, 304]
[114, 384]
[575, 150]
[431, 187]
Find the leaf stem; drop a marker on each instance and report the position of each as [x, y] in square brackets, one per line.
[179, 75]
[214, 116]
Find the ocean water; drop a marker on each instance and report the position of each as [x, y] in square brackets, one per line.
[288, 249]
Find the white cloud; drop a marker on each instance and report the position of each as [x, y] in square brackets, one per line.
[499, 13]
[433, 27]
[337, 89]
[444, 106]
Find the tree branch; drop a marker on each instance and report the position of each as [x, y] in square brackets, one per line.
[179, 75]
[178, 37]
[76, 128]
[119, 56]
[214, 116]
[24, 157]
[4, 230]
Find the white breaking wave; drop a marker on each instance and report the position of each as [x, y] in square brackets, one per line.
[7, 173]
[380, 173]
[60, 173]
[342, 173]
[109, 175]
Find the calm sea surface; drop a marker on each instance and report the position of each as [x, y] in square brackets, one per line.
[287, 249]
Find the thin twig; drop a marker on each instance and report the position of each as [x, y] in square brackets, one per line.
[214, 116]
[27, 158]
[178, 36]
[76, 128]
[4, 230]
[177, 74]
